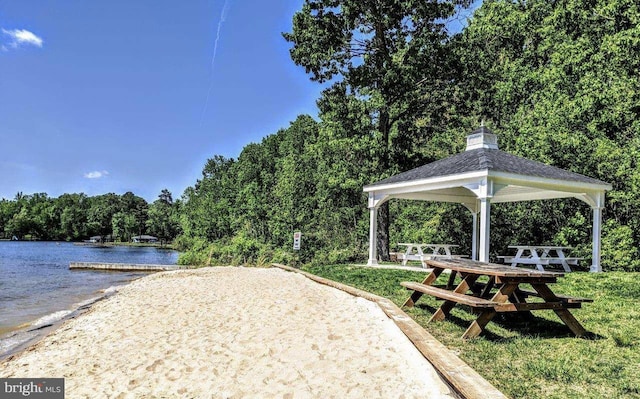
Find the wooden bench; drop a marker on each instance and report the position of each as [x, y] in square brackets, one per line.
[440, 256]
[468, 300]
[525, 261]
[402, 256]
[564, 298]
[540, 263]
[478, 287]
[570, 261]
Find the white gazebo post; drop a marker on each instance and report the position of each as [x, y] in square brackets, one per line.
[474, 234]
[374, 203]
[597, 228]
[597, 231]
[474, 237]
[480, 245]
[485, 225]
[484, 192]
[373, 236]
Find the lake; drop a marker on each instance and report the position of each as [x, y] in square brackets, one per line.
[38, 289]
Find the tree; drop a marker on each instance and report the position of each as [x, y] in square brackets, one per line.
[45, 219]
[208, 206]
[162, 221]
[100, 213]
[293, 198]
[559, 82]
[135, 208]
[31, 215]
[392, 55]
[166, 197]
[20, 224]
[73, 209]
[124, 225]
[343, 156]
[7, 210]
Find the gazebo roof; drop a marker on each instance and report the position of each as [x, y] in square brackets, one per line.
[485, 159]
[515, 178]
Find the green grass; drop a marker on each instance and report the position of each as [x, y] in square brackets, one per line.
[537, 358]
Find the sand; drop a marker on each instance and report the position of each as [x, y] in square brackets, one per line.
[231, 332]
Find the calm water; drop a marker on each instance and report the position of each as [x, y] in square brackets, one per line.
[37, 287]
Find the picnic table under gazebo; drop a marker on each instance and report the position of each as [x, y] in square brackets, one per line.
[480, 176]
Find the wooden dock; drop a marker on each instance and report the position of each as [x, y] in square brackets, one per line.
[123, 267]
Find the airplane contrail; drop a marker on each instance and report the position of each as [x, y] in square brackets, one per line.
[223, 18]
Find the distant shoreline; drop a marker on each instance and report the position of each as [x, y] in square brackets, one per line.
[106, 244]
[124, 244]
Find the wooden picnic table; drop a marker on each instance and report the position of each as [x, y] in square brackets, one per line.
[502, 293]
[422, 252]
[540, 256]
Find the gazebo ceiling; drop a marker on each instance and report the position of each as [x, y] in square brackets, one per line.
[465, 196]
[505, 188]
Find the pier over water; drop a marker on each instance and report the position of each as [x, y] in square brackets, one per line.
[123, 267]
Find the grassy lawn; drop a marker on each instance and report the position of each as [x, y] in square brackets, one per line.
[537, 358]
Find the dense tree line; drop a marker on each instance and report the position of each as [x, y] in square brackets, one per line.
[76, 217]
[556, 80]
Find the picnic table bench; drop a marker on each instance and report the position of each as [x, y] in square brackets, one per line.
[432, 251]
[473, 301]
[540, 256]
[502, 292]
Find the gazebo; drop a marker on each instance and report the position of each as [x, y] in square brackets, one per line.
[480, 176]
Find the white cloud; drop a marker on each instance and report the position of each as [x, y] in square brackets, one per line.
[96, 174]
[22, 37]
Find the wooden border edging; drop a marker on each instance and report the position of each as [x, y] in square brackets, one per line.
[459, 375]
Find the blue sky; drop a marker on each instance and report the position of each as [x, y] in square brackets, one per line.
[119, 95]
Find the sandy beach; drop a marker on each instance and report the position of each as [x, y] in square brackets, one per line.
[231, 332]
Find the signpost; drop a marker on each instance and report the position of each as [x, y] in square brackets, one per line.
[297, 237]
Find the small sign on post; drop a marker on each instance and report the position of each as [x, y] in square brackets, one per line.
[297, 237]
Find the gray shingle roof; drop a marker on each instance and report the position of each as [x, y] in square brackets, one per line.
[487, 159]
